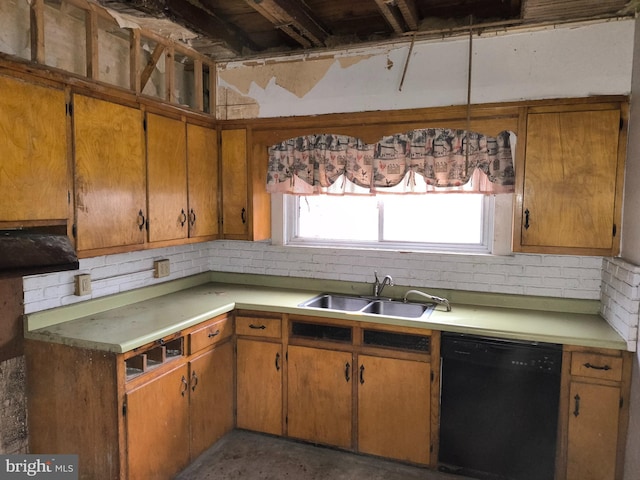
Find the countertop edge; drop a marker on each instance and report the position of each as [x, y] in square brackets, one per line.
[210, 299]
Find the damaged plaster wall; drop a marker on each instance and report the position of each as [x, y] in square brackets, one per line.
[14, 28]
[571, 61]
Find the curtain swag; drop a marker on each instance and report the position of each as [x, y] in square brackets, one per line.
[419, 161]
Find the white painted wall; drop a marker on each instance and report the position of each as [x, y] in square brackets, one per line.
[631, 248]
[589, 59]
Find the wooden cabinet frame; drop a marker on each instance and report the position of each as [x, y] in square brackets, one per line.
[593, 104]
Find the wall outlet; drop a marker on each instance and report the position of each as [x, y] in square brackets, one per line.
[161, 268]
[83, 284]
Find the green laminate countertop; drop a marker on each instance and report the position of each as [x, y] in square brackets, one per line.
[123, 322]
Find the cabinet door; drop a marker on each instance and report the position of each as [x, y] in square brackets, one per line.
[570, 179]
[157, 423]
[110, 174]
[33, 134]
[202, 157]
[167, 178]
[234, 183]
[593, 431]
[259, 386]
[394, 412]
[211, 400]
[320, 395]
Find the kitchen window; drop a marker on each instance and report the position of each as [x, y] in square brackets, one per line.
[457, 223]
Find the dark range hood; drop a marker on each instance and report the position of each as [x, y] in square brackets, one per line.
[34, 251]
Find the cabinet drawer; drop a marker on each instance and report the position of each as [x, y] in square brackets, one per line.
[259, 326]
[596, 366]
[210, 334]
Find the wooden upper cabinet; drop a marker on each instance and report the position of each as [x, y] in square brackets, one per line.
[110, 186]
[246, 205]
[572, 181]
[167, 178]
[235, 214]
[202, 166]
[34, 172]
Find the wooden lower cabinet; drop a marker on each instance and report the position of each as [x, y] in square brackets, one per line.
[144, 414]
[319, 404]
[259, 385]
[593, 432]
[597, 408]
[157, 426]
[211, 397]
[394, 408]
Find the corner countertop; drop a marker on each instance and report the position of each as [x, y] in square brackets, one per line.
[127, 321]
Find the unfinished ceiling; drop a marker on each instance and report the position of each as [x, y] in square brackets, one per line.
[237, 29]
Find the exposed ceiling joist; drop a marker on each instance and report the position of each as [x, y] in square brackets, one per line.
[232, 29]
[392, 15]
[409, 12]
[292, 18]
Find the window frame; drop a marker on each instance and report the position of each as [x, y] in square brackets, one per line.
[498, 210]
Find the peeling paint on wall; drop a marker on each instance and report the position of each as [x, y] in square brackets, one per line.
[297, 77]
[232, 105]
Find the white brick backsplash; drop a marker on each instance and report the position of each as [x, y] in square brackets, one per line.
[620, 298]
[613, 281]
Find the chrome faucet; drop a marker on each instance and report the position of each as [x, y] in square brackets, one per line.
[378, 286]
[430, 298]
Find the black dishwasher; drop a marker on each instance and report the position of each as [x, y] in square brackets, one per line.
[499, 407]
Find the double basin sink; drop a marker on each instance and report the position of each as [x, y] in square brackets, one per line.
[375, 306]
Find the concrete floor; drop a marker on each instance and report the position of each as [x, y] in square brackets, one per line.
[251, 456]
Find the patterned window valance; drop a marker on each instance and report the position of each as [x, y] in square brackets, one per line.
[419, 161]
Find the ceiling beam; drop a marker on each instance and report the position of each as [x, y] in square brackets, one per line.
[293, 19]
[194, 17]
[409, 12]
[392, 15]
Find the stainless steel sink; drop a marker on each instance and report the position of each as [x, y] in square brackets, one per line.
[386, 307]
[392, 308]
[332, 301]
